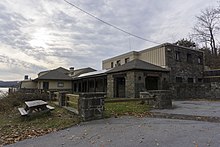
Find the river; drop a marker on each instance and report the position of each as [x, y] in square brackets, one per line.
[3, 91]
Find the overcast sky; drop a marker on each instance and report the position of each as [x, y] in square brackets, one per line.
[38, 35]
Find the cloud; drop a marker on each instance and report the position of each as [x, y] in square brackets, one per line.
[44, 34]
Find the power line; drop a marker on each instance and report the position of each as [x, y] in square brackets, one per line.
[110, 24]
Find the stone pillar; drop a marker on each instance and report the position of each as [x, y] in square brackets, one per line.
[130, 85]
[110, 86]
[91, 105]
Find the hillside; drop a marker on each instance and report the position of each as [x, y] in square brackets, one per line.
[8, 83]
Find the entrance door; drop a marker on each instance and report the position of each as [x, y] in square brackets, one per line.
[45, 85]
[120, 87]
[151, 83]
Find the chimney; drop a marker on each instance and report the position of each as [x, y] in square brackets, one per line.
[71, 71]
[26, 77]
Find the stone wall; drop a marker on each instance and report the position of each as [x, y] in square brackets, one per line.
[197, 91]
[182, 67]
[91, 105]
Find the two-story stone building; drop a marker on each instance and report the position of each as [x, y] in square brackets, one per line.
[182, 65]
[163, 67]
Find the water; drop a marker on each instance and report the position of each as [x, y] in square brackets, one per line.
[3, 91]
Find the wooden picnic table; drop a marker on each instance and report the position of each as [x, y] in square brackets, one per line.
[35, 106]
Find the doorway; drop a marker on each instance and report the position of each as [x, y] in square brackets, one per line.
[151, 83]
[45, 85]
[120, 87]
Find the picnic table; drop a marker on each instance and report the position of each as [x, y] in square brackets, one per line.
[35, 106]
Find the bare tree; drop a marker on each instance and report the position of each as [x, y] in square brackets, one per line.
[206, 28]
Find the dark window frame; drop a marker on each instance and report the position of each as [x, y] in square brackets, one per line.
[179, 80]
[190, 80]
[112, 64]
[189, 57]
[199, 60]
[60, 84]
[127, 60]
[177, 55]
[200, 80]
[118, 62]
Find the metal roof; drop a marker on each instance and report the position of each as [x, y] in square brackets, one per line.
[99, 72]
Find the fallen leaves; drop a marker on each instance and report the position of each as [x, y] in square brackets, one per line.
[23, 134]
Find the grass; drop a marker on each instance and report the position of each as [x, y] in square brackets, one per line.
[135, 108]
[14, 127]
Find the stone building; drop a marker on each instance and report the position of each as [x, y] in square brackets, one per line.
[163, 67]
[129, 79]
[184, 66]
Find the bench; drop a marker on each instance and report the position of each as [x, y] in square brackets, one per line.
[22, 111]
[50, 107]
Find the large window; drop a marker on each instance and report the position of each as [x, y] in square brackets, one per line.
[199, 60]
[189, 58]
[177, 56]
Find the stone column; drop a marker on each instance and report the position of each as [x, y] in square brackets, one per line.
[130, 85]
[110, 86]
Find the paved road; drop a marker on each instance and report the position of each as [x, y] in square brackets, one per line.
[140, 132]
[130, 132]
[200, 108]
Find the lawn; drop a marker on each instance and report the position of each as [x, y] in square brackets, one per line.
[14, 127]
[135, 108]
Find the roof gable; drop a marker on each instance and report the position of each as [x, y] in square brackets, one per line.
[56, 74]
[137, 64]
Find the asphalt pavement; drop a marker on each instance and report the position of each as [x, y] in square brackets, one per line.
[129, 131]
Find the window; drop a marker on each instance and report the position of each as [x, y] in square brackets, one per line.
[190, 80]
[112, 64]
[118, 63]
[126, 60]
[199, 60]
[139, 78]
[60, 84]
[200, 80]
[189, 58]
[179, 79]
[177, 56]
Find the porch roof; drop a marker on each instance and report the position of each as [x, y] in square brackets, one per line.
[95, 73]
[139, 65]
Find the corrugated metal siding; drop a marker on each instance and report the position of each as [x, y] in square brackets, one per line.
[107, 64]
[154, 56]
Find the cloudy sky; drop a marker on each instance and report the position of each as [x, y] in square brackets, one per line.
[38, 35]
